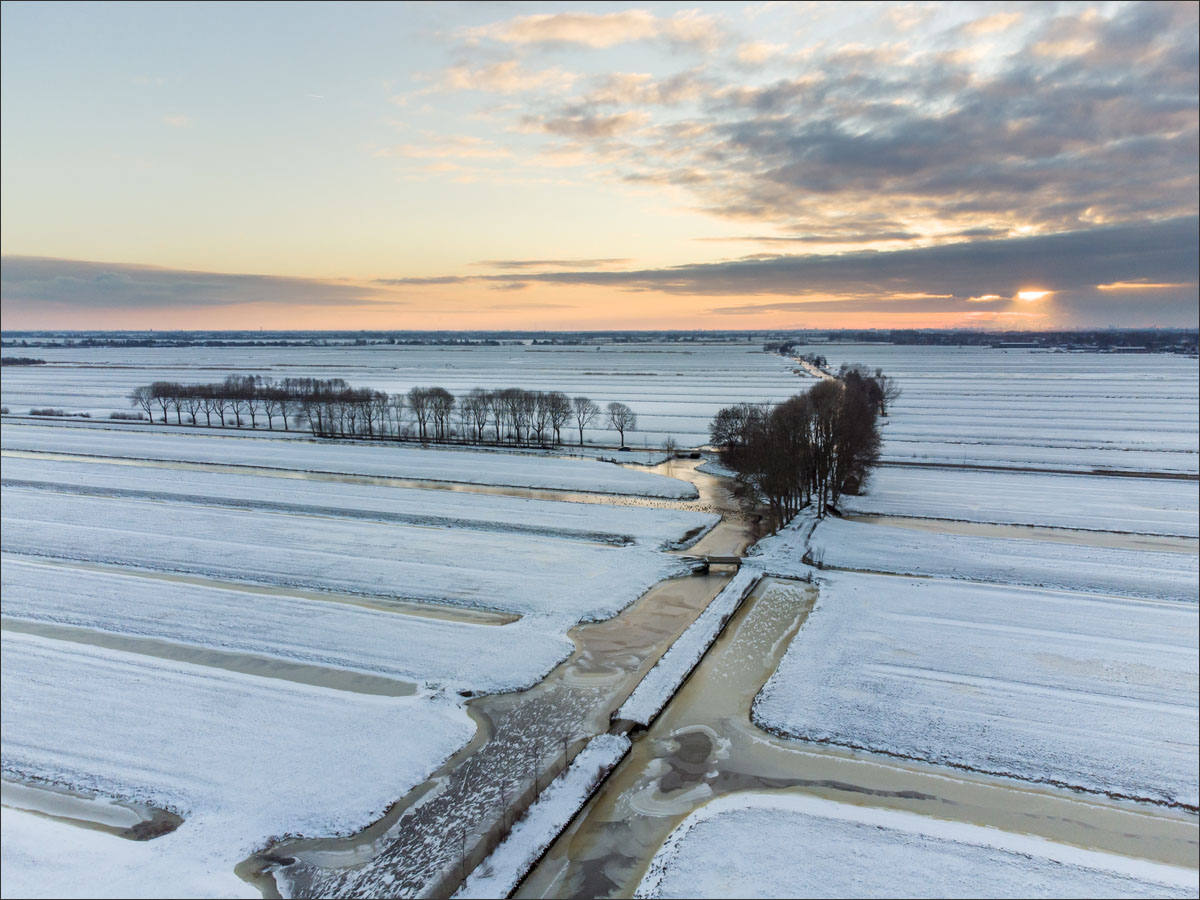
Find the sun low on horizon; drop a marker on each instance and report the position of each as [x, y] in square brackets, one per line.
[575, 166]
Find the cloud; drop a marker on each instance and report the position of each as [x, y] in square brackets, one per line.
[600, 30]
[935, 137]
[1072, 261]
[550, 263]
[1153, 265]
[31, 283]
[588, 125]
[755, 53]
[178, 121]
[507, 77]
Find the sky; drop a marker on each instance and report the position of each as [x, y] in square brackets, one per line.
[598, 165]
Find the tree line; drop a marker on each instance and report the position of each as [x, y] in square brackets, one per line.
[811, 448]
[332, 408]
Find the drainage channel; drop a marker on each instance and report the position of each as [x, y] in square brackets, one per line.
[704, 745]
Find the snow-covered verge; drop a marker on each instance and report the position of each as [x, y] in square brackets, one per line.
[714, 467]
[662, 681]
[877, 548]
[460, 656]
[1097, 503]
[243, 759]
[781, 845]
[391, 461]
[563, 580]
[500, 873]
[1098, 693]
[597, 522]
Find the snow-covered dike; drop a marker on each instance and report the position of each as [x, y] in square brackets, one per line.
[879, 548]
[457, 655]
[1097, 503]
[525, 574]
[391, 461]
[653, 527]
[780, 845]
[662, 681]
[1098, 693]
[243, 759]
[499, 874]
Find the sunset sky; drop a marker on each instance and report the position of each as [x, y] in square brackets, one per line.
[577, 166]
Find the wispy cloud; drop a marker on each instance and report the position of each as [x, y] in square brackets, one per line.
[178, 121]
[29, 284]
[600, 30]
[506, 77]
[550, 263]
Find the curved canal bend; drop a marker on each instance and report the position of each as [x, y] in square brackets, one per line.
[430, 838]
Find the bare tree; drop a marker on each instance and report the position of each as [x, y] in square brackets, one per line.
[441, 408]
[418, 402]
[586, 412]
[621, 419]
[889, 391]
[143, 397]
[559, 408]
[163, 393]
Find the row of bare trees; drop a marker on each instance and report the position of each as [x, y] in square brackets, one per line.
[332, 408]
[809, 449]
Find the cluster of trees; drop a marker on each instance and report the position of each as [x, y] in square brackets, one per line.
[809, 449]
[332, 408]
[21, 361]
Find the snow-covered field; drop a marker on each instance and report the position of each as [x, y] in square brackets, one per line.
[457, 655]
[674, 388]
[388, 461]
[564, 581]
[1060, 687]
[243, 759]
[903, 551]
[1096, 503]
[783, 845]
[1020, 407]
[412, 506]
[129, 680]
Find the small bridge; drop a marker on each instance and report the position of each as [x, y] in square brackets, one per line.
[701, 564]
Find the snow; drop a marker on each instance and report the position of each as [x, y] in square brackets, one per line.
[1098, 693]
[880, 548]
[413, 506]
[499, 874]
[1078, 411]
[1098, 503]
[384, 460]
[661, 682]
[784, 845]
[243, 759]
[563, 580]
[461, 656]
[674, 388]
